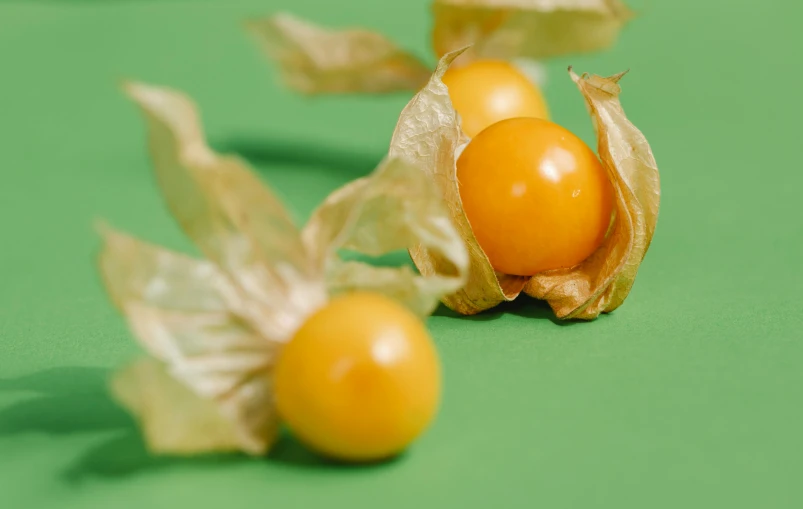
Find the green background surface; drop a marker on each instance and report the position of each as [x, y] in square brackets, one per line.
[688, 396]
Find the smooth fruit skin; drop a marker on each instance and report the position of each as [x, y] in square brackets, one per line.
[360, 380]
[536, 196]
[487, 91]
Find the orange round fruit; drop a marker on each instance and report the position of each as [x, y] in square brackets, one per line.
[536, 196]
[486, 91]
[360, 380]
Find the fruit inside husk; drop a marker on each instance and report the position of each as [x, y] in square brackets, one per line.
[428, 134]
[536, 196]
[487, 91]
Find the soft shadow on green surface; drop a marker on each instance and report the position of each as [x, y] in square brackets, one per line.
[64, 401]
[127, 455]
[76, 400]
[348, 164]
[523, 306]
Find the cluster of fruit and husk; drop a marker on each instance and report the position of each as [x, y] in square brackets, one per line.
[316, 60]
[213, 327]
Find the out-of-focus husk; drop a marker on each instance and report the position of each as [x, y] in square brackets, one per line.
[315, 60]
[428, 134]
[398, 206]
[213, 327]
[236, 221]
[537, 29]
[174, 420]
[208, 360]
[602, 282]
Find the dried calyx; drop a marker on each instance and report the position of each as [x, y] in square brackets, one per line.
[212, 327]
[428, 135]
[316, 60]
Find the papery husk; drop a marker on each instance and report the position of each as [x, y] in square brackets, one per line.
[315, 60]
[211, 363]
[174, 420]
[537, 29]
[602, 282]
[213, 327]
[236, 221]
[428, 135]
[398, 206]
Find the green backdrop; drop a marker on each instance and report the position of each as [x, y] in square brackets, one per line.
[688, 396]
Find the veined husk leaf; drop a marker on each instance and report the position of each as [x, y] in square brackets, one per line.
[428, 134]
[206, 360]
[603, 281]
[315, 60]
[397, 207]
[537, 29]
[173, 419]
[236, 222]
[213, 327]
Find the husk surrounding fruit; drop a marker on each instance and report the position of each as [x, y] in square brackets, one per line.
[536, 29]
[212, 328]
[315, 60]
[602, 282]
[428, 134]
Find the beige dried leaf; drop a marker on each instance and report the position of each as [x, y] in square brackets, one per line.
[180, 309]
[214, 327]
[174, 420]
[234, 220]
[428, 135]
[602, 282]
[537, 29]
[398, 206]
[315, 60]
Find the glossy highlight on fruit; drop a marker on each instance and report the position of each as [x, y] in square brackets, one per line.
[360, 380]
[487, 91]
[536, 196]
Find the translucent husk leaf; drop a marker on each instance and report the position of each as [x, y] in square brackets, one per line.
[174, 420]
[211, 362]
[214, 327]
[398, 206]
[537, 29]
[236, 222]
[602, 282]
[314, 59]
[428, 135]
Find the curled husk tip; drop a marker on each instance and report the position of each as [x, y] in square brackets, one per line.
[428, 134]
[211, 327]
